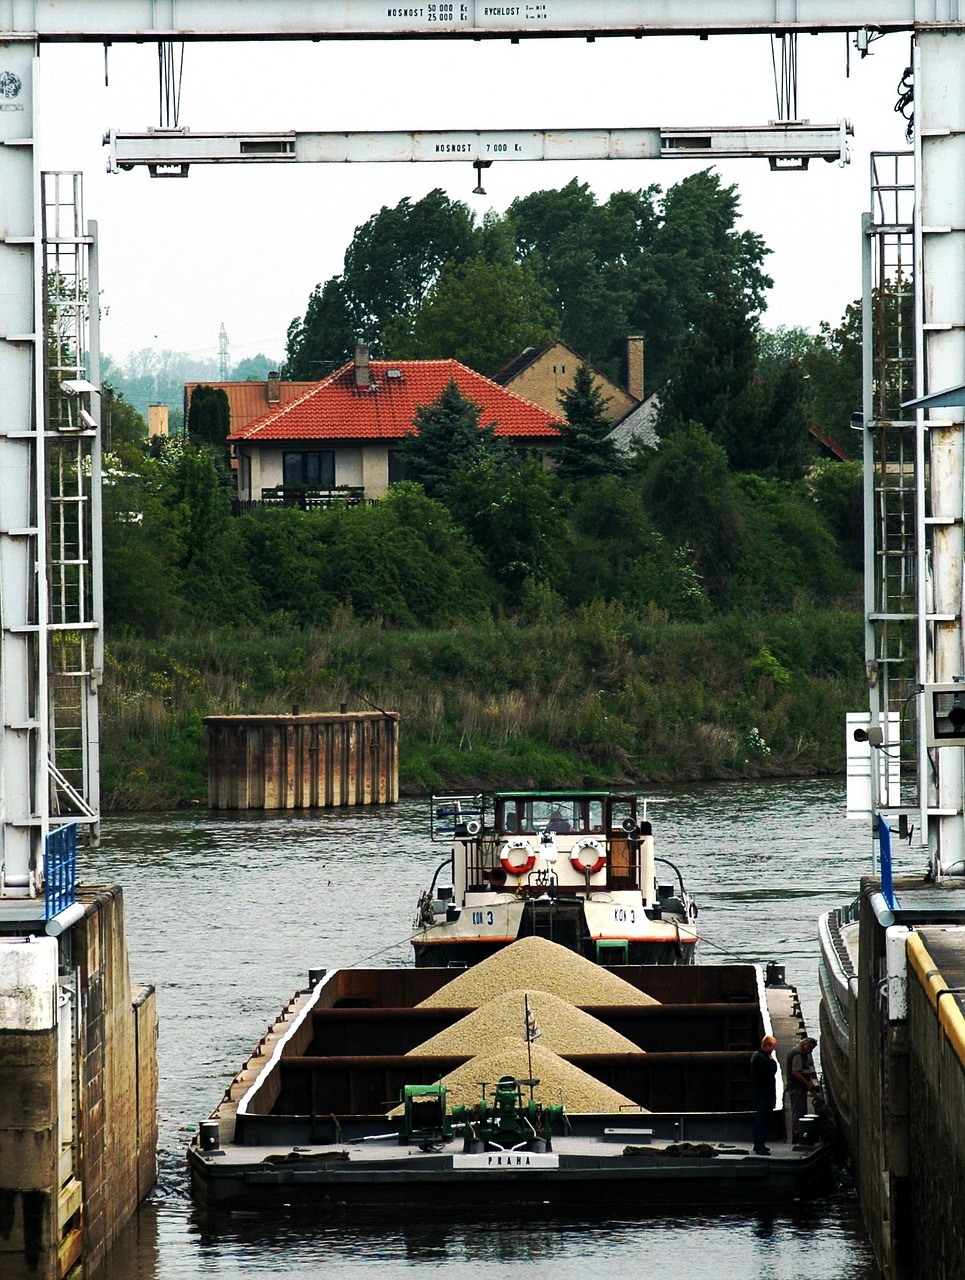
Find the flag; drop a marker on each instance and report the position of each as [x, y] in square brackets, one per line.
[533, 1031]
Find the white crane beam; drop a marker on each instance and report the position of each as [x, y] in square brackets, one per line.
[170, 152]
[125, 20]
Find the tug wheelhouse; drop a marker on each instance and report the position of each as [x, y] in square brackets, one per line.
[577, 867]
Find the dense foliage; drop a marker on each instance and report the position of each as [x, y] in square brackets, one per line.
[427, 279]
[686, 611]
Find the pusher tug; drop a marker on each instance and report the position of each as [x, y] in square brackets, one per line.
[576, 867]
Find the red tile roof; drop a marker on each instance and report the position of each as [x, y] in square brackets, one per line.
[248, 401]
[337, 409]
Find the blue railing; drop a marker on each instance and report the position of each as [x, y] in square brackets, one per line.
[60, 870]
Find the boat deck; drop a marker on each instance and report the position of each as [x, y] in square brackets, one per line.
[581, 1166]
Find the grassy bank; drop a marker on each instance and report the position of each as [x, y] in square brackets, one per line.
[601, 697]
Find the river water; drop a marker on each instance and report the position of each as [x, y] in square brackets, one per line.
[227, 913]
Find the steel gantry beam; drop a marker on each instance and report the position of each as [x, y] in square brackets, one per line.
[127, 20]
[170, 152]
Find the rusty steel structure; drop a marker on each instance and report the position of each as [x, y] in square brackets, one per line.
[312, 761]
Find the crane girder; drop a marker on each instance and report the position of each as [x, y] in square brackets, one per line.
[170, 152]
[137, 20]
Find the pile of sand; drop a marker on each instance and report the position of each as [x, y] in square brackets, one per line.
[559, 1081]
[563, 1028]
[536, 963]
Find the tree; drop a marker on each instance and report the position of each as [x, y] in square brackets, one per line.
[694, 500]
[639, 263]
[392, 262]
[510, 511]
[447, 436]
[324, 338]
[482, 313]
[213, 576]
[123, 425]
[711, 379]
[209, 416]
[585, 449]
[142, 546]
[254, 368]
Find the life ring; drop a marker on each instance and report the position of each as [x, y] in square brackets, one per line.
[522, 847]
[590, 868]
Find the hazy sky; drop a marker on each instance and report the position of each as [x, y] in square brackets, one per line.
[245, 245]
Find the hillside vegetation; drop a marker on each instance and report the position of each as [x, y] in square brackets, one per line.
[692, 611]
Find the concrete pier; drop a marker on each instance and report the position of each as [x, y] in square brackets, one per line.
[78, 1086]
[303, 761]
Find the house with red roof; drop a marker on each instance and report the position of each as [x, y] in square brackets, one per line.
[345, 432]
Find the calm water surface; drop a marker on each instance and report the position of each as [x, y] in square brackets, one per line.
[227, 913]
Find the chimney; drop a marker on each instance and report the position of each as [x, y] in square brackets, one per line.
[274, 389]
[363, 375]
[635, 366]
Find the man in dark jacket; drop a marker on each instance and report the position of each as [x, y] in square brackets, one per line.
[764, 1087]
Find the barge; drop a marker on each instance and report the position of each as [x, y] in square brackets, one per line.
[343, 1103]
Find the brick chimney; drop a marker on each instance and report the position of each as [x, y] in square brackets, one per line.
[274, 389]
[635, 366]
[363, 374]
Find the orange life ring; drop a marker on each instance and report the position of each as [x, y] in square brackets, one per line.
[519, 847]
[590, 868]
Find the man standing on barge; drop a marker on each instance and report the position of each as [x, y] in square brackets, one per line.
[800, 1079]
[764, 1087]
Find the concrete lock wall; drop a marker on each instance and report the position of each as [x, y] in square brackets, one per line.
[78, 1088]
[937, 1036]
[28, 1109]
[303, 761]
[880, 1105]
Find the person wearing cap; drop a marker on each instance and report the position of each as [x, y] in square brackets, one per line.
[800, 1080]
[764, 1087]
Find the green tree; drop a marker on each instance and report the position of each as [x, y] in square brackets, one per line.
[122, 424]
[834, 372]
[585, 449]
[142, 544]
[694, 500]
[634, 565]
[447, 435]
[214, 579]
[324, 338]
[392, 262]
[209, 416]
[758, 414]
[482, 313]
[254, 368]
[639, 263]
[711, 380]
[510, 510]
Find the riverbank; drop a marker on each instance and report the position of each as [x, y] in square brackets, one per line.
[601, 697]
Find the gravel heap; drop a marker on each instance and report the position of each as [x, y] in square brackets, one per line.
[536, 962]
[563, 1028]
[558, 1080]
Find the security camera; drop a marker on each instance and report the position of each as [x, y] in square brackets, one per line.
[872, 735]
[77, 386]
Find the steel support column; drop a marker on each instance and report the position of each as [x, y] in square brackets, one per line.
[940, 306]
[23, 575]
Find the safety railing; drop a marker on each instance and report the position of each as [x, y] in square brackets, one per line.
[60, 870]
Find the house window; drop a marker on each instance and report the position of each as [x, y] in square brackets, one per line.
[314, 470]
[396, 466]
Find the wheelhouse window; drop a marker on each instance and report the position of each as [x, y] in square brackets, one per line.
[309, 469]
